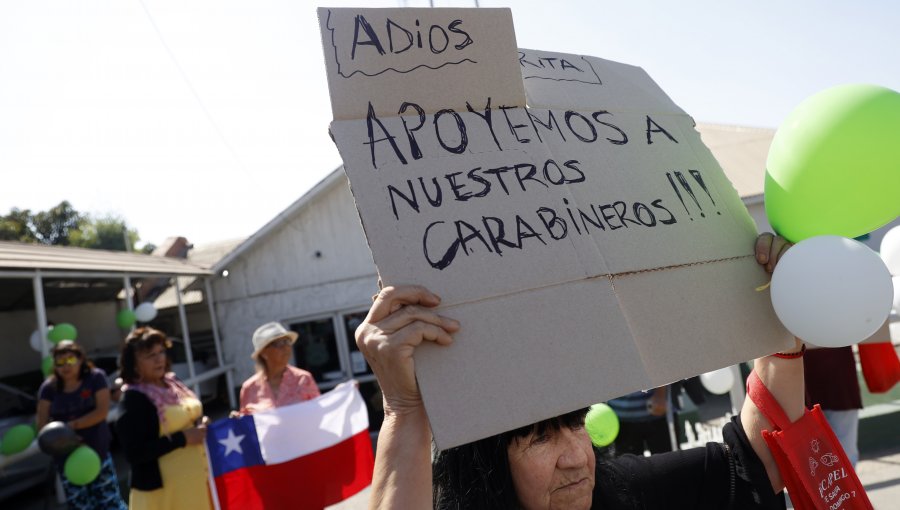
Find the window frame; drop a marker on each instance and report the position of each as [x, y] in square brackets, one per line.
[342, 339]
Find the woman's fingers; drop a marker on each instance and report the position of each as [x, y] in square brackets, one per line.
[779, 246]
[763, 247]
[769, 250]
[411, 314]
[391, 299]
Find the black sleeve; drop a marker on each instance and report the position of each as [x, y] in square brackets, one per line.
[138, 429]
[712, 477]
[753, 488]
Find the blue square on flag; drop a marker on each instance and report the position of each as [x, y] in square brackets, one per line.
[232, 444]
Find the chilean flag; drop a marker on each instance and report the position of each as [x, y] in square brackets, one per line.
[303, 456]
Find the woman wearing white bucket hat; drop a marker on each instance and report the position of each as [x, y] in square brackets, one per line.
[276, 383]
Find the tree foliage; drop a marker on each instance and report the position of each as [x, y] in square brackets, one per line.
[63, 225]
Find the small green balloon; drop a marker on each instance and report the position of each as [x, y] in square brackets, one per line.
[82, 466]
[60, 332]
[602, 425]
[125, 318]
[834, 164]
[17, 439]
[47, 365]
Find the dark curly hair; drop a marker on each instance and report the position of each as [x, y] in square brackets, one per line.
[70, 347]
[477, 476]
[141, 340]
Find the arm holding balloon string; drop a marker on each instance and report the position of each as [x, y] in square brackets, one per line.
[781, 373]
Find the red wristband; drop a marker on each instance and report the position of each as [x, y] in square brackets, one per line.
[791, 355]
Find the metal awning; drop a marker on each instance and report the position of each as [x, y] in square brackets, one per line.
[35, 276]
[25, 258]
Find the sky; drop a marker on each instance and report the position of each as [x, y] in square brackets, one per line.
[207, 118]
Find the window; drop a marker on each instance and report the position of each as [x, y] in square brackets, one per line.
[327, 348]
[358, 363]
[316, 350]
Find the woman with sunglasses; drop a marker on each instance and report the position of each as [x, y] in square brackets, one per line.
[78, 394]
[276, 383]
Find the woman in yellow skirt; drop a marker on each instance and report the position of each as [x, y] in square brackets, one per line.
[161, 429]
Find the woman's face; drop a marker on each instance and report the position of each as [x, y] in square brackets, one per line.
[553, 470]
[277, 355]
[151, 363]
[68, 365]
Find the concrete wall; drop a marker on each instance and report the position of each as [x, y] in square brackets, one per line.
[283, 279]
[95, 322]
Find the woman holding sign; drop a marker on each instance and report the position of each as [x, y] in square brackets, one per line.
[551, 464]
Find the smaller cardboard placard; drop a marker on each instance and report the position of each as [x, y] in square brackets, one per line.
[371, 55]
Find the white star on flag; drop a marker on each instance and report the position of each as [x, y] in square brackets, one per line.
[232, 443]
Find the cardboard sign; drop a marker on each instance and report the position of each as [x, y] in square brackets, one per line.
[589, 243]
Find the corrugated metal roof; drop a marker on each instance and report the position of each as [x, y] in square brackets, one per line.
[15, 256]
[207, 254]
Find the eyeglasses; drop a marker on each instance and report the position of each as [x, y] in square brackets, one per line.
[68, 360]
[281, 342]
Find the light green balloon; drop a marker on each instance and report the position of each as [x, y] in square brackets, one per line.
[834, 164]
[82, 466]
[125, 318]
[60, 332]
[16, 439]
[602, 424]
[47, 365]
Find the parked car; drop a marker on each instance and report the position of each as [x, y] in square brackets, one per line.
[17, 407]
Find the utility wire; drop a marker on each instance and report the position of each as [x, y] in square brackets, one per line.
[193, 90]
[209, 117]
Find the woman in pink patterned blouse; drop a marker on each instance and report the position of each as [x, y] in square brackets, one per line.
[276, 383]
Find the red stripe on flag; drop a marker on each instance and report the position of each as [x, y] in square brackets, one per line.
[313, 481]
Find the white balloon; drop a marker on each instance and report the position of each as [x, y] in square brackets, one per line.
[831, 291]
[36, 339]
[718, 382]
[145, 312]
[890, 250]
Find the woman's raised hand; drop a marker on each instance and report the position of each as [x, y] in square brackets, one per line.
[769, 249]
[401, 318]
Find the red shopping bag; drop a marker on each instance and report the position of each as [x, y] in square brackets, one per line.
[810, 458]
[880, 366]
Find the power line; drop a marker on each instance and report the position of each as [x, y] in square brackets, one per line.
[193, 90]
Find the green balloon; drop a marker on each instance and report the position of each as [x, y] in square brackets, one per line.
[60, 332]
[47, 365]
[602, 424]
[834, 164]
[125, 318]
[82, 466]
[17, 439]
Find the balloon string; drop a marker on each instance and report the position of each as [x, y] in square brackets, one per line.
[763, 287]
